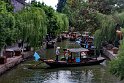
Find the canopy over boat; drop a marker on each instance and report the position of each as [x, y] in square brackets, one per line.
[78, 50]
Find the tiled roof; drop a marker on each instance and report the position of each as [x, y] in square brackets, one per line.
[21, 1]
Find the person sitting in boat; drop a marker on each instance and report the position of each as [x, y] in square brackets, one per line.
[57, 53]
[66, 54]
[69, 57]
[83, 54]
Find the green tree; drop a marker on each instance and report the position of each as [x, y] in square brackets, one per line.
[7, 24]
[116, 66]
[107, 25]
[107, 6]
[9, 6]
[60, 5]
[80, 15]
[32, 21]
[56, 22]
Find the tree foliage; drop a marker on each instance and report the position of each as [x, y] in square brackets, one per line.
[60, 5]
[32, 21]
[107, 31]
[56, 22]
[9, 6]
[80, 15]
[119, 17]
[116, 66]
[107, 27]
[107, 6]
[30, 24]
[118, 5]
[7, 24]
[62, 23]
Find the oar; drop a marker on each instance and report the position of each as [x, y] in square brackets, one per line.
[42, 60]
[34, 66]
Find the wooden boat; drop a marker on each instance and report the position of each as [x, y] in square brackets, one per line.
[72, 62]
[87, 42]
[74, 36]
[59, 39]
[65, 35]
[50, 44]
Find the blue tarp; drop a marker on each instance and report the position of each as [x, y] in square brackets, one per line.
[36, 56]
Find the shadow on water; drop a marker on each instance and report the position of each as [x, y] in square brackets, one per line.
[87, 74]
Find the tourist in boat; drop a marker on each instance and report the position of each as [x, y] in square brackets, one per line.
[68, 57]
[66, 54]
[57, 53]
[83, 55]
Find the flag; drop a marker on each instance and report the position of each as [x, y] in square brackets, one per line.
[36, 56]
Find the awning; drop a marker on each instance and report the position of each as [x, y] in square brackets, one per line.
[78, 50]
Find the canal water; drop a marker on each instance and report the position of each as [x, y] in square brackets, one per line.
[87, 74]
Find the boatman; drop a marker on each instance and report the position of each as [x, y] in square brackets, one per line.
[57, 53]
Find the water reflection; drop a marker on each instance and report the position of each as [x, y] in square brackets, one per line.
[94, 74]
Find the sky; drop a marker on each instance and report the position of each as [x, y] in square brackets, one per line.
[51, 3]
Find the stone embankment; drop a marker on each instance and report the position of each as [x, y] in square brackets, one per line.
[109, 54]
[14, 60]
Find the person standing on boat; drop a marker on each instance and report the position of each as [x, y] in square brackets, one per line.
[57, 53]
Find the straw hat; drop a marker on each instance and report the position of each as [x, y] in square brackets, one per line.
[58, 48]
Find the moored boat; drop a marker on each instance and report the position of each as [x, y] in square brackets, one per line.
[59, 39]
[50, 44]
[74, 36]
[65, 35]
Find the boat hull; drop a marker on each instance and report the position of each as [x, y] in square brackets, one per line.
[54, 64]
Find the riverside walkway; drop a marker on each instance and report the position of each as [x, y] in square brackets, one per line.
[11, 62]
[14, 60]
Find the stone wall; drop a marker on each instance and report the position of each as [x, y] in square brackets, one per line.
[11, 62]
[109, 54]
